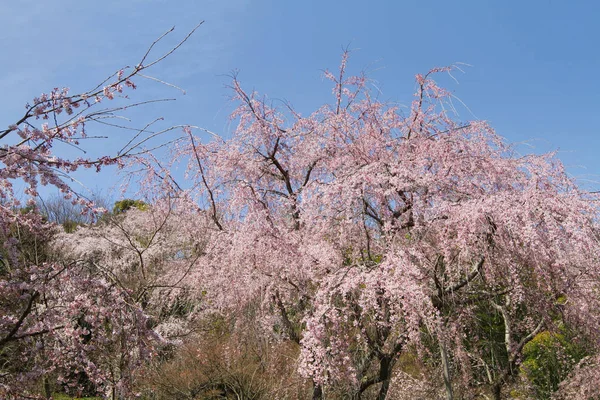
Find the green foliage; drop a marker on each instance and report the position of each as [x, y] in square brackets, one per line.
[70, 226]
[490, 332]
[547, 360]
[61, 396]
[32, 244]
[123, 205]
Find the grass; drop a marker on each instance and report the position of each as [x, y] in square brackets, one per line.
[62, 396]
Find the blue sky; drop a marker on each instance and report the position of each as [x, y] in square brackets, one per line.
[533, 75]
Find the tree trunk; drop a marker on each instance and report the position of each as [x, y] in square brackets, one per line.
[446, 372]
[317, 392]
[385, 372]
[385, 386]
[47, 390]
[497, 391]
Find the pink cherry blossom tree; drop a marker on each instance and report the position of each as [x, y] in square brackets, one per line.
[149, 252]
[61, 320]
[367, 232]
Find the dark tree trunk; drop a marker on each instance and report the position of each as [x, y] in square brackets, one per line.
[385, 386]
[497, 391]
[317, 392]
[385, 373]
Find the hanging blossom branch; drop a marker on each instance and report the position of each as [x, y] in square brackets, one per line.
[65, 118]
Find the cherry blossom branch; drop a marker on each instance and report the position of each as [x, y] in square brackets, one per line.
[213, 205]
[72, 128]
[10, 336]
[472, 275]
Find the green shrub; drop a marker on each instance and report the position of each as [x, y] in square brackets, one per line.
[547, 360]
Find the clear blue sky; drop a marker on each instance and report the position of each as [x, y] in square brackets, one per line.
[533, 75]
